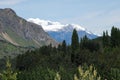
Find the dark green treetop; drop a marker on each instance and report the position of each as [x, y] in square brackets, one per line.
[75, 40]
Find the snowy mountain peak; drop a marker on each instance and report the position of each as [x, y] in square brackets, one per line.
[62, 32]
[75, 26]
[55, 26]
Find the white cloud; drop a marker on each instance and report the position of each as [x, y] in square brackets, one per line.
[10, 2]
[54, 26]
[46, 24]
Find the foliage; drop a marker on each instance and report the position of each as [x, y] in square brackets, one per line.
[115, 73]
[106, 39]
[87, 74]
[38, 73]
[57, 77]
[115, 37]
[8, 74]
[75, 41]
[64, 46]
[86, 43]
[44, 62]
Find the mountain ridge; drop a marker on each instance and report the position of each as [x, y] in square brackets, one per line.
[20, 32]
[62, 32]
[54, 26]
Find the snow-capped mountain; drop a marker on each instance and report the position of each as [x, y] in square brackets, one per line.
[55, 26]
[60, 31]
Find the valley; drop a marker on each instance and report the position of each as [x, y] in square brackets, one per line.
[37, 49]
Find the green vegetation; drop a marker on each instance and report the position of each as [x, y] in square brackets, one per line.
[89, 74]
[57, 77]
[75, 41]
[8, 74]
[84, 73]
[61, 63]
[115, 37]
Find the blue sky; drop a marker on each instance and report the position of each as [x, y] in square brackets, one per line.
[95, 15]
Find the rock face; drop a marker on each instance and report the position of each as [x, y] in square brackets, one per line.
[18, 31]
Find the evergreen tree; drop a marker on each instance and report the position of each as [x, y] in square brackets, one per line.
[64, 46]
[88, 44]
[74, 44]
[84, 41]
[8, 74]
[75, 41]
[106, 39]
[115, 37]
[59, 47]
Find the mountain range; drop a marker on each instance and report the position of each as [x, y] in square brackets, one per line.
[62, 32]
[20, 32]
[18, 35]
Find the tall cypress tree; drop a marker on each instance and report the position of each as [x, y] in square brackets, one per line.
[106, 39]
[115, 37]
[64, 47]
[75, 41]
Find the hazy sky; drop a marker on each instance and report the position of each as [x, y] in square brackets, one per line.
[95, 15]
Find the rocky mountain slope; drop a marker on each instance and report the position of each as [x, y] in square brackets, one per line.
[20, 32]
[62, 32]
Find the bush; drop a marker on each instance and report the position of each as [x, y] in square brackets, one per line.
[87, 74]
[8, 74]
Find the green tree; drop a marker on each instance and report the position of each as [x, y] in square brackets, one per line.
[106, 39]
[75, 41]
[74, 44]
[115, 73]
[115, 37]
[84, 42]
[64, 47]
[88, 44]
[8, 74]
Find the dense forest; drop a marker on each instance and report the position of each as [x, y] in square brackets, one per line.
[84, 59]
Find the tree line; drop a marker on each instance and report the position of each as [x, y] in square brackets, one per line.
[48, 63]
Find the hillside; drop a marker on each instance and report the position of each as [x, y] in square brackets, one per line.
[8, 49]
[19, 32]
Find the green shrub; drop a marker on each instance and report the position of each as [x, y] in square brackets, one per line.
[8, 74]
[89, 74]
[57, 77]
[115, 74]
